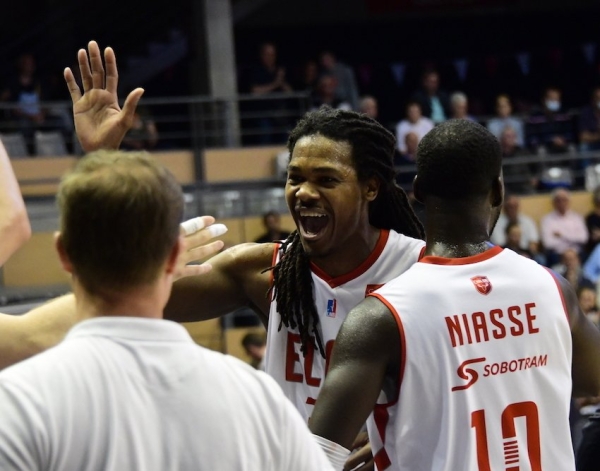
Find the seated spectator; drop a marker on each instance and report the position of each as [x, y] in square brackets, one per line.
[272, 223]
[368, 106]
[346, 90]
[504, 120]
[405, 178]
[588, 304]
[268, 77]
[459, 104]
[255, 345]
[26, 91]
[592, 221]
[309, 76]
[530, 238]
[562, 229]
[549, 127]
[143, 134]
[518, 177]
[434, 103]
[415, 123]
[570, 268]
[513, 240]
[589, 123]
[325, 94]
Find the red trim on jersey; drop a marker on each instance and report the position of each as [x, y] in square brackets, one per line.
[421, 253]
[560, 292]
[381, 417]
[480, 257]
[402, 346]
[384, 235]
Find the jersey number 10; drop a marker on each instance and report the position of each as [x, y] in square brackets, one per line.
[511, 451]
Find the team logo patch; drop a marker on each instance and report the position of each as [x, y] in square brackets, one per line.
[331, 307]
[482, 284]
[371, 288]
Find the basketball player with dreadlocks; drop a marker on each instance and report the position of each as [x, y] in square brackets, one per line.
[355, 231]
[470, 357]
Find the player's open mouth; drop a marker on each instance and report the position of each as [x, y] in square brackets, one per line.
[312, 226]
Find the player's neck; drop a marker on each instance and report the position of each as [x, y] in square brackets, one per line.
[145, 301]
[457, 229]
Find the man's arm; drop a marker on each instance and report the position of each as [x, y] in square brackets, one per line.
[15, 229]
[586, 344]
[367, 349]
[235, 281]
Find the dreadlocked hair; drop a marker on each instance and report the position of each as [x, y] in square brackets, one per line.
[373, 149]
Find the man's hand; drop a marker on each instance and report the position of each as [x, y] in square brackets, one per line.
[197, 232]
[99, 121]
[361, 458]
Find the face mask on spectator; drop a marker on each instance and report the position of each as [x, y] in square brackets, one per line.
[553, 105]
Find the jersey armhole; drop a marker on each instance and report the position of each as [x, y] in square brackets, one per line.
[560, 293]
[276, 247]
[402, 352]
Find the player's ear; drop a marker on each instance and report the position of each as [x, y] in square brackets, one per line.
[65, 261]
[417, 190]
[497, 193]
[174, 255]
[371, 189]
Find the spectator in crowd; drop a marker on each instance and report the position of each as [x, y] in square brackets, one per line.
[435, 103]
[588, 303]
[505, 119]
[513, 240]
[591, 268]
[570, 268]
[518, 177]
[346, 90]
[414, 123]
[530, 238]
[325, 94]
[459, 103]
[409, 157]
[143, 134]
[562, 229]
[368, 106]
[592, 221]
[268, 77]
[549, 127]
[26, 91]
[309, 75]
[255, 345]
[589, 123]
[272, 223]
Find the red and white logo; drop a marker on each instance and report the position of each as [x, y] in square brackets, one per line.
[482, 284]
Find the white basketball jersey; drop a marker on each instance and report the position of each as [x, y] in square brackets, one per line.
[301, 377]
[485, 377]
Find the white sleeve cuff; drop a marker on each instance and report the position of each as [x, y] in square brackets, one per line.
[337, 454]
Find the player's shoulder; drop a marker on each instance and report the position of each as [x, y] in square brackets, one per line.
[405, 244]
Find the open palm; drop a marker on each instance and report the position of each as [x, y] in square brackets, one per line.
[100, 122]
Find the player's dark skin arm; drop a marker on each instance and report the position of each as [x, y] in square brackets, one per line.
[586, 345]
[361, 359]
[235, 281]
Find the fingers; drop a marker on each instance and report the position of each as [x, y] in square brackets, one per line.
[361, 457]
[112, 74]
[361, 440]
[84, 70]
[97, 66]
[195, 270]
[199, 253]
[72, 85]
[130, 105]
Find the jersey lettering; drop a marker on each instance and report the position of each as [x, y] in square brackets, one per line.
[475, 328]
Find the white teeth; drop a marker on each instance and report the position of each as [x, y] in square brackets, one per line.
[312, 215]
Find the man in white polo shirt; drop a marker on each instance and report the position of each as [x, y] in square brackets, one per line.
[126, 389]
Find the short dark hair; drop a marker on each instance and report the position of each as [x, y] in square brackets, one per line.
[120, 216]
[255, 339]
[458, 159]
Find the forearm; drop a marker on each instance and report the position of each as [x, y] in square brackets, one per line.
[15, 229]
[588, 137]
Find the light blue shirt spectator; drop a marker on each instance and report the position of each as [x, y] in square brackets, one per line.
[497, 125]
[591, 269]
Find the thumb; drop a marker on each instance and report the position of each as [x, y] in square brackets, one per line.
[131, 103]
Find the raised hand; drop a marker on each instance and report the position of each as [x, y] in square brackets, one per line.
[197, 233]
[99, 121]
